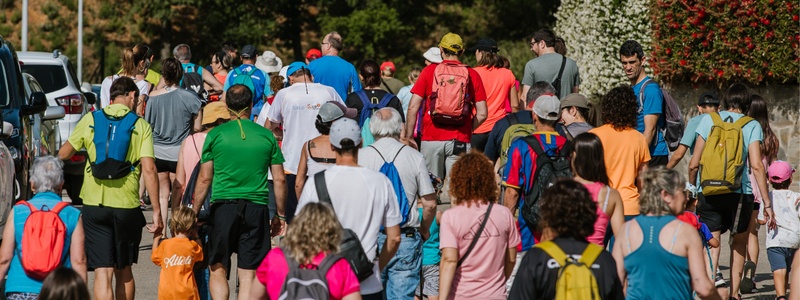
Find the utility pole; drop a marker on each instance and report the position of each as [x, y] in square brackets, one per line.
[80, 41]
[24, 25]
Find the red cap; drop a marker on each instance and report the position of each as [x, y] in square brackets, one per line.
[313, 53]
[387, 65]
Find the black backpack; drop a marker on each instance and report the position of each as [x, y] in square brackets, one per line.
[193, 81]
[350, 247]
[307, 284]
[548, 168]
[188, 194]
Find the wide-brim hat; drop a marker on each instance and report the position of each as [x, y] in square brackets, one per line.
[269, 62]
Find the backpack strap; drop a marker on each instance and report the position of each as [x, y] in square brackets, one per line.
[379, 153]
[398, 153]
[363, 96]
[590, 254]
[322, 188]
[385, 100]
[716, 119]
[477, 234]
[252, 71]
[327, 263]
[535, 144]
[512, 120]
[743, 121]
[290, 263]
[641, 94]
[60, 206]
[30, 206]
[554, 251]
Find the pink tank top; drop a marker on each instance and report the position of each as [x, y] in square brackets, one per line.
[601, 224]
[191, 153]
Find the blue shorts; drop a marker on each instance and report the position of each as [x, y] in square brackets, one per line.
[780, 258]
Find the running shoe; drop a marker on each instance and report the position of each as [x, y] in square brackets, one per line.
[748, 282]
[142, 205]
[719, 281]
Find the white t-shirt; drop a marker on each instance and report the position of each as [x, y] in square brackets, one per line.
[105, 89]
[410, 165]
[297, 111]
[787, 234]
[363, 200]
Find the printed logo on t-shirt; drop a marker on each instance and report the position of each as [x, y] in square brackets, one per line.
[307, 107]
[176, 260]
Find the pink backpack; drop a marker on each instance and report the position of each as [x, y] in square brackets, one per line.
[448, 100]
[42, 240]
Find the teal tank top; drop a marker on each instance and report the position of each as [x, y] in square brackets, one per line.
[652, 263]
[431, 254]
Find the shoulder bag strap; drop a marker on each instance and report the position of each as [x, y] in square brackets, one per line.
[561, 71]
[512, 119]
[398, 153]
[388, 89]
[477, 235]
[379, 153]
[322, 188]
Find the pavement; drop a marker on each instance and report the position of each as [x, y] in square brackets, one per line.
[146, 274]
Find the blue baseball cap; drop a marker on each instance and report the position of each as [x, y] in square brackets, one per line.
[295, 66]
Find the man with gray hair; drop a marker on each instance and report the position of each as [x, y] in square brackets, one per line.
[332, 70]
[193, 75]
[401, 275]
[46, 181]
[493, 145]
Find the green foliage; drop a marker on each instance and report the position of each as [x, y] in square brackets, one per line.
[7, 3]
[72, 5]
[5, 30]
[724, 41]
[2, 17]
[374, 30]
[16, 16]
[51, 10]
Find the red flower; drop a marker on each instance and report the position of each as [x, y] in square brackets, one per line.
[770, 34]
[668, 51]
[682, 62]
[705, 43]
[754, 24]
[765, 21]
[794, 45]
[748, 40]
[770, 74]
[750, 46]
[694, 35]
[765, 64]
[720, 73]
[703, 27]
[683, 27]
[795, 18]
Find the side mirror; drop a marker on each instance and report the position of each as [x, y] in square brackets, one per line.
[38, 104]
[91, 98]
[7, 130]
[54, 112]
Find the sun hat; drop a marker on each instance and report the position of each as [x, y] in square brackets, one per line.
[433, 55]
[269, 62]
[215, 111]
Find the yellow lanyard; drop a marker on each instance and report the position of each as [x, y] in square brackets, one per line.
[239, 119]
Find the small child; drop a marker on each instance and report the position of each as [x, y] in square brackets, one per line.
[783, 241]
[177, 257]
[431, 255]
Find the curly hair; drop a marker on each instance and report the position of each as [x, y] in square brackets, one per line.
[620, 108]
[314, 230]
[472, 180]
[568, 209]
[276, 83]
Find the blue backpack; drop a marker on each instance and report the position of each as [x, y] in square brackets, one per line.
[390, 171]
[366, 113]
[112, 137]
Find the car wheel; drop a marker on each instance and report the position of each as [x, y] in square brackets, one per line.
[74, 184]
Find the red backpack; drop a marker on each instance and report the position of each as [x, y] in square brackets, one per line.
[42, 240]
[448, 100]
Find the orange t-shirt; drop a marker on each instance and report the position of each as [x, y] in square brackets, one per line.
[176, 257]
[497, 82]
[624, 151]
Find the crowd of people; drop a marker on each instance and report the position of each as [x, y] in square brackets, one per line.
[347, 165]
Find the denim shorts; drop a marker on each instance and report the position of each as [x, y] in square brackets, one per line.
[780, 258]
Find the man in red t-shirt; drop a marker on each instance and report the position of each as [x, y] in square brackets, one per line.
[442, 143]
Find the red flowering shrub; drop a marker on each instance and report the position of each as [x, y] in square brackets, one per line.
[754, 41]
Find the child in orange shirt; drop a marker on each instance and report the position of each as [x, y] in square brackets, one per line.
[177, 257]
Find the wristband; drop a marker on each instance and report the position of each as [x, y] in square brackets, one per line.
[768, 206]
[282, 218]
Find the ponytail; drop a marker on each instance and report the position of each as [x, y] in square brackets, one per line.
[135, 60]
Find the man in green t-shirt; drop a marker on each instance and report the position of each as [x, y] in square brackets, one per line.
[236, 161]
[112, 219]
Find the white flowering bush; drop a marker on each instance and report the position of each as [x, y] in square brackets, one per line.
[594, 30]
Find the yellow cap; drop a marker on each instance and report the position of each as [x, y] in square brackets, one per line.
[452, 42]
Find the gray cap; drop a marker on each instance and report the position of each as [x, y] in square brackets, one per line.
[547, 107]
[332, 110]
[345, 128]
[575, 99]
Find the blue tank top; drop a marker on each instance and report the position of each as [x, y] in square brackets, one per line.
[652, 263]
[431, 254]
[17, 281]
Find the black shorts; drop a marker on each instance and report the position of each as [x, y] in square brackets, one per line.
[658, 160]
[166, 166]
[479, 141]
[718, 211]
[112, 236]
[248, 236]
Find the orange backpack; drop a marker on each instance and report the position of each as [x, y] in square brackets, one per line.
[449, 103]
[42, 240]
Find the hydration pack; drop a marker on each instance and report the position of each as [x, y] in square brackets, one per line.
[112, 138]
[193, 80]
[366, 114]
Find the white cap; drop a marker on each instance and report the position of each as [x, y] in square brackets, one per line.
[433, 55]
[283, 73]
[345, 128]
[547, 107]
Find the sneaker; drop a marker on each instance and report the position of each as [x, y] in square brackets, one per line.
[142, 205]
[719, 281]
[755, 289]
[748, 283]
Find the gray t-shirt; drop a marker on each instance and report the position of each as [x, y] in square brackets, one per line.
[546, 67]
[410, 165]
[170, 116]
[577, 128]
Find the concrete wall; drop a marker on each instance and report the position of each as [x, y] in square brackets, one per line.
[784, 104]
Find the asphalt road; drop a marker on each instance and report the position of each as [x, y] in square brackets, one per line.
[146, 274]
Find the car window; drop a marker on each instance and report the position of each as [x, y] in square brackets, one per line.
[50, 77]
[4, 86]
[33, 84]
[73, 74]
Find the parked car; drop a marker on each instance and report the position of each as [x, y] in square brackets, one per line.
[7, 197]
[45, 125]
[58, 79]
[18, 108]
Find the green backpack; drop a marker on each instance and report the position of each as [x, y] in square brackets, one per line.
[514, 132]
